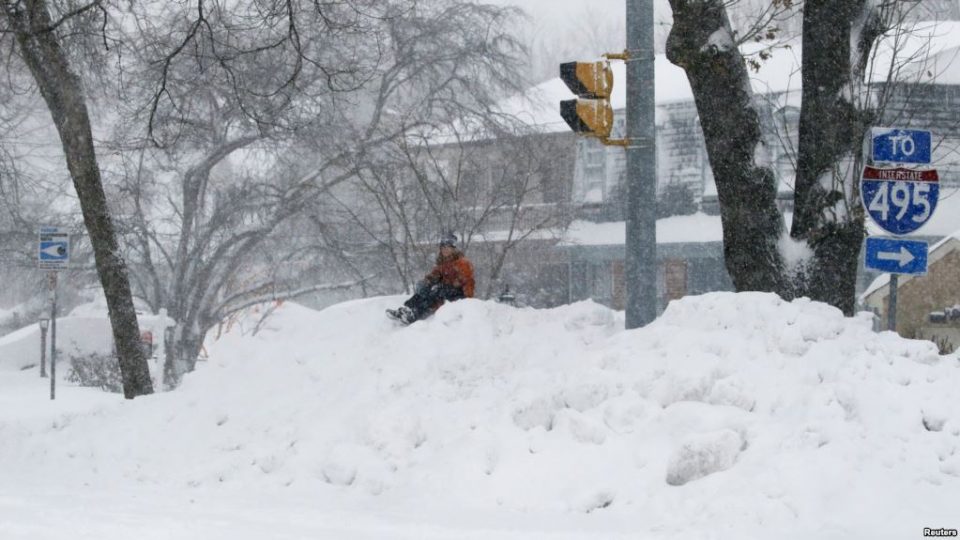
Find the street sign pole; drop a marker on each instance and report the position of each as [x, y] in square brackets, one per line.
[53, 334]
[53, 254]
[892, 312]
[641, 221]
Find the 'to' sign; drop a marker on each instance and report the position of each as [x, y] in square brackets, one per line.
[900, 200]
[900, 145]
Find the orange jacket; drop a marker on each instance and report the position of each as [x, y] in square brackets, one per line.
[455, 270]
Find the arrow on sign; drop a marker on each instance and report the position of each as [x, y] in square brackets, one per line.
[903, 258]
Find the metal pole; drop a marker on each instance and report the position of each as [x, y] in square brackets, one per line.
[892, 311]
[43, 351]
[641, 243]
[53, 334]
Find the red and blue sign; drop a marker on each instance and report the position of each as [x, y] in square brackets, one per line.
[900, 200]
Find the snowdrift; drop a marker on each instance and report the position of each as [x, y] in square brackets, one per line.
[732, 415]
[75, 336]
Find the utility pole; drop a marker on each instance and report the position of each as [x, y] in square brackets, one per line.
[641, 243]
[44, 324]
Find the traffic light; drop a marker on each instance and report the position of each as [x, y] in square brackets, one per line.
[593, 117]
[592, 114]
[592, 80]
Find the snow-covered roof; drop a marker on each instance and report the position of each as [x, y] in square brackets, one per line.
[926, 51]
[784, 186]
[696, 228]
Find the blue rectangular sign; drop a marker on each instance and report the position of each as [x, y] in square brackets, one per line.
[896, 256]
[900, 145]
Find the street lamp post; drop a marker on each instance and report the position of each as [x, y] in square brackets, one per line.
[44, 324]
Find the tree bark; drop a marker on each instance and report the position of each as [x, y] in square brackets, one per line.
[701, 43]
[832, 127]
[62, 90]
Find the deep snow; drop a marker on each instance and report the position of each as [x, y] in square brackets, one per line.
[732, 416]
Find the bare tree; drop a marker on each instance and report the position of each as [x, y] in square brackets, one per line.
[40, 48]
[258, 124]
[488, 189]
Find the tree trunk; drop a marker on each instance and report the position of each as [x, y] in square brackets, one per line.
[701, 43]
[837, 38]
[62, 90]
[831, 133]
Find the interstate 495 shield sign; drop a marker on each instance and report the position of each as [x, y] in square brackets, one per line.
[900, 200]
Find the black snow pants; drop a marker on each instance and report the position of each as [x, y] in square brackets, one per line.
[429, 296]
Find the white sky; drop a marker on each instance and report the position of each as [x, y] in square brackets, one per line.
[558, 13]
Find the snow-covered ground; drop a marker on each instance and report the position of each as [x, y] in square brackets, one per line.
[732, 416]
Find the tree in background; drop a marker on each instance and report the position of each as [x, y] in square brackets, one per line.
[235, 137]
[489, 189]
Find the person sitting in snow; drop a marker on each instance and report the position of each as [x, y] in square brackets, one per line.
[451, 279]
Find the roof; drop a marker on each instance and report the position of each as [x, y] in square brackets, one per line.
[696, 228]
[924, 52]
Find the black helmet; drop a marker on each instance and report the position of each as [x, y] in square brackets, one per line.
[448, 239]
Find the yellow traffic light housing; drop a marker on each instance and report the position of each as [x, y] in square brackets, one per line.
[592, 80]
[592, 115]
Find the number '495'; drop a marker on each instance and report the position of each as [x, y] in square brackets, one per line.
[902, 196]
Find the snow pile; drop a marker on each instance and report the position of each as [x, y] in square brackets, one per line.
[730, 415]
[76, 336]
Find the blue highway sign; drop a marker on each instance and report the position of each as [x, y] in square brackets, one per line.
[900, 200]
[896, 256]
[900, 145]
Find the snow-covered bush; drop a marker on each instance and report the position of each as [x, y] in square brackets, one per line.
[96, 370]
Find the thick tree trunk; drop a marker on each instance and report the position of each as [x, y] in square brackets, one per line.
[831, 133]
[62, 90]
[701, 43]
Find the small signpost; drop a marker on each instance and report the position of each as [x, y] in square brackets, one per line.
[53, 253]
[900, 201]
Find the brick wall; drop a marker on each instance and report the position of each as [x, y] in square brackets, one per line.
[919, 296]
